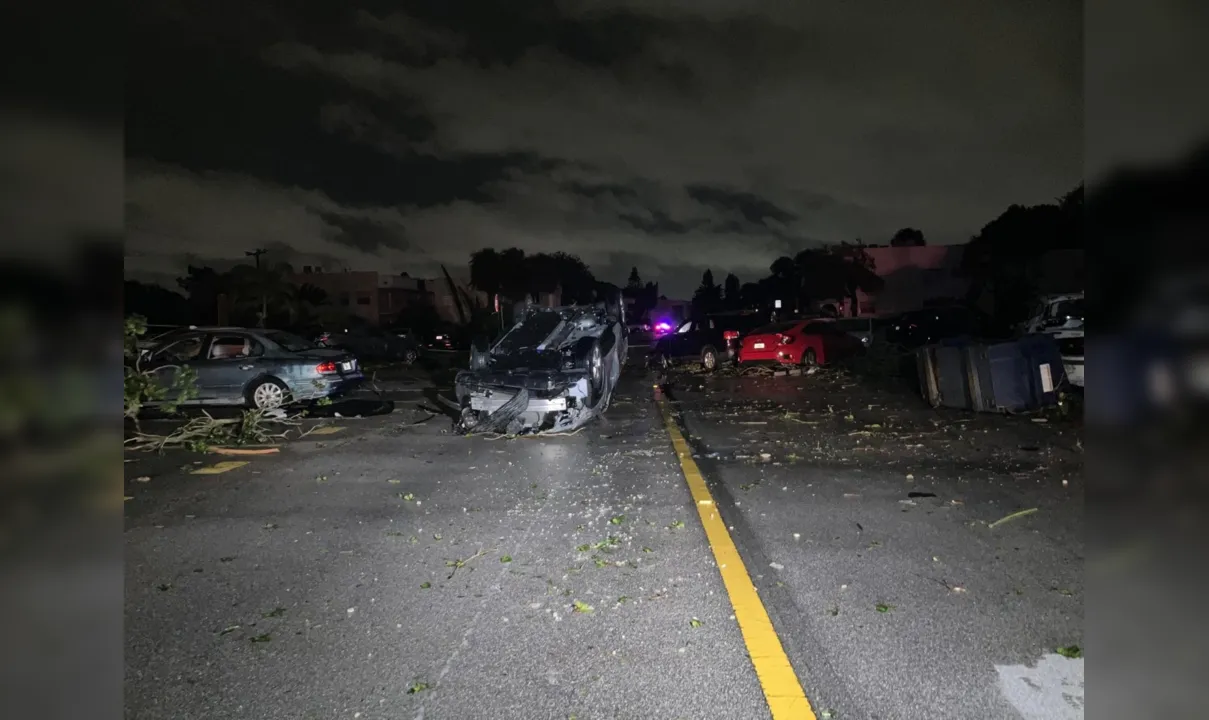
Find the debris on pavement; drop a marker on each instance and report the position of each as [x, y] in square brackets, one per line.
[1009, 518]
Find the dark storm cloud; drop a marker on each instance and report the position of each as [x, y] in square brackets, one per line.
[752, 207]
[364, 234]
[756, 128]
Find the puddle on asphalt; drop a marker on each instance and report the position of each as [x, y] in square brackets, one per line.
[1053, 690]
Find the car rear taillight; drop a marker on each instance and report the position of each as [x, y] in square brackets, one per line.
[729, 335]
[326, 368]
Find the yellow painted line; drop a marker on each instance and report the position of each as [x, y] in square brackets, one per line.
[780, 683]
[326, 430]
[221, 467]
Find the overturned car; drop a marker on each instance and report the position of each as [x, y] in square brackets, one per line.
[555, 370]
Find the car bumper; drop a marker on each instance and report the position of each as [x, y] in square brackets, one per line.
[747, 357]
[315, 388]
[491, 400]
[1074, 370]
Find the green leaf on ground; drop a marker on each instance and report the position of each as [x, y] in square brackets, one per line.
[1070, 651]
[393, 481]
[676, 524]
[647, 549]
[617, 519]
[623, 599]
[229, 629]
[425, 585]
[883, 607]
[417, 687]
[610, 541]
[694, 622]
[581, 607]
[584, 548]
[600, 562]
[261, 638]
[436, 536]
[409, 497]
[275, 612]
[506, 559]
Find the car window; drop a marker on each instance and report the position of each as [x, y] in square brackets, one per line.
[223, 347]
[181, 350]
[289, 341]
[686, 327]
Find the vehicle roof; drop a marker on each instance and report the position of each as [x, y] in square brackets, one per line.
[1062, 296]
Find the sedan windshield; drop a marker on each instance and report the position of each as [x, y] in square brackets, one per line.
[289, 341]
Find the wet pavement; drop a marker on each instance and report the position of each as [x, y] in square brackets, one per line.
[391, 569]
[870, 522]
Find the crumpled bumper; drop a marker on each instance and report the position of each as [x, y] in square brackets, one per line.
[521, 403]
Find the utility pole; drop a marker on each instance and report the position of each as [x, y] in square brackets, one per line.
[264, 301]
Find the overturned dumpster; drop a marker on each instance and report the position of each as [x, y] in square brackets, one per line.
[555, 370]
[1024, 374]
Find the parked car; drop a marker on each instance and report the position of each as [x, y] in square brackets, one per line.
[866, 329]
[798, 342]
[370, 343]
[709, 340]
[1062, 317]
[554, 370]
[922, 327]
[256, 368]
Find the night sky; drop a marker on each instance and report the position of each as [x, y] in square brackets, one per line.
[672, 136]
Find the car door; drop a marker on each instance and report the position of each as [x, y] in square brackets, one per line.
[167, 360]
[229, 362]
[680, 341]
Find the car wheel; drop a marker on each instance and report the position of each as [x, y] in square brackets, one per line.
[596, 371]
[410, 355]
[267, 394]
[808, 358]
[709, 358]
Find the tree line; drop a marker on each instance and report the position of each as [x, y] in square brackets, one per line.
[255, 297]
[1002, 263]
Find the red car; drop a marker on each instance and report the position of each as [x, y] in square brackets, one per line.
[798, 342]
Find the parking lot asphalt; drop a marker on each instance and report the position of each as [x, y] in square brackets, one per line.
[392, 569]
[884, 538]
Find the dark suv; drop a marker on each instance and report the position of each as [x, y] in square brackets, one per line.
[922, 327]
[709, 340]
[370, 343]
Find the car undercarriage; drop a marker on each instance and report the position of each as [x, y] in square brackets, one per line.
[554, 371]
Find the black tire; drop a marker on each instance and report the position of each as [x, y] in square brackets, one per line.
[596, 370]
[261, 392]
[809, 359]
[410, 355]
[709, 358]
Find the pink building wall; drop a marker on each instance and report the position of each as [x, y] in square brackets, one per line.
[912, 276]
